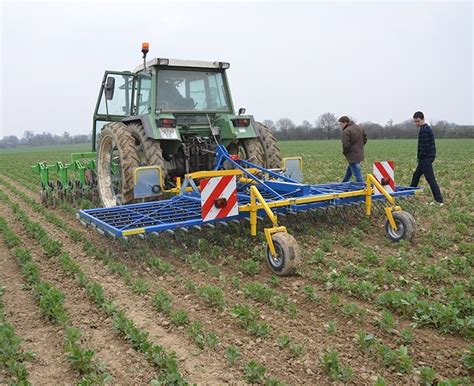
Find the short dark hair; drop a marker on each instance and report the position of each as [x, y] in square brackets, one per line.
[344, 119]
[418, 115]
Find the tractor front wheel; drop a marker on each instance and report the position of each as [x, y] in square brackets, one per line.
[117, 157]
[287, 256]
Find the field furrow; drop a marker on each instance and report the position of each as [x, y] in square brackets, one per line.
[204, 367]
[98, 333]
[44, 340]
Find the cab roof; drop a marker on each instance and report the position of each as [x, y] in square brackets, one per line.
[182, 63]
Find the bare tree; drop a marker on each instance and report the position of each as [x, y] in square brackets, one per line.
[28, 136]
[285, 124]
[269, 123]
[306, 125]
[327, 122]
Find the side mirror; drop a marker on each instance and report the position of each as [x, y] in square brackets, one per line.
[109, 88]
[242, 111]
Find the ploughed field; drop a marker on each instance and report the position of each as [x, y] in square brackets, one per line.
[202, 306]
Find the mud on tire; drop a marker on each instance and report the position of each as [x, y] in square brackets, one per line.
[118, 146]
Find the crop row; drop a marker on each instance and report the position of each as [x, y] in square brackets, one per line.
[140, 286]
[50, 301]
[165, 362]
[12, 357]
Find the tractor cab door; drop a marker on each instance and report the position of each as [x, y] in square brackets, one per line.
[143, 95]
[115, 100]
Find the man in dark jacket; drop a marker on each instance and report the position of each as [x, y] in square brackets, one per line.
[353, 141]
[426, 155]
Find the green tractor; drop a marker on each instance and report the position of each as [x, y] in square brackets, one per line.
[171, 114]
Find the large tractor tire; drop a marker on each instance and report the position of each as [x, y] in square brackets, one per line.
[270, 146]
[149, 149]
[253, 151]
[117, 157]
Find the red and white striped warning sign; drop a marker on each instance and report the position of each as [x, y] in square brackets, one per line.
[219, 197]
[384, 172]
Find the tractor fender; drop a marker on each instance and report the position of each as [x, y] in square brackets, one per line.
[151, 129]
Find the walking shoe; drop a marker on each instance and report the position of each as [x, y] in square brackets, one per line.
[432, 203]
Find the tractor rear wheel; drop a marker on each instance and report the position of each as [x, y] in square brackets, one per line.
[253, 151]
[117, 157]
[270, 146]
[149, 149]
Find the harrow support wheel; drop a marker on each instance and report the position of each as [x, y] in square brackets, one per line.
[406, 227]
[287, 256]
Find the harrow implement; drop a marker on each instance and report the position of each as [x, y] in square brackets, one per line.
[68, 181]
[250, 192]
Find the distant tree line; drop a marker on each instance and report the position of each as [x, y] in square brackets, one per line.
[30, 139]
[327, 127]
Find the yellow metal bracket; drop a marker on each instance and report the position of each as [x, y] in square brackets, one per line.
[268, 236]
[254, 207]
[388, 212]
[369, 190]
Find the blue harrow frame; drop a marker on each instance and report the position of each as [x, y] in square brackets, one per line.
[260, 192]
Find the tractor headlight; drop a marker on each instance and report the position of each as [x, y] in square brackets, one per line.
[163, 62]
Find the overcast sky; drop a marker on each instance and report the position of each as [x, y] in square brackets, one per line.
[372, 60]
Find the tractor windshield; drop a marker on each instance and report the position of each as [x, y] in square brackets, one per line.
[191, 90]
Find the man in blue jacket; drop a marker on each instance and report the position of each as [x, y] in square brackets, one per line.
[426, 155]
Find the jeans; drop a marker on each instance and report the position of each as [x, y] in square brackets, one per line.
[353, 169]
[425, 167]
